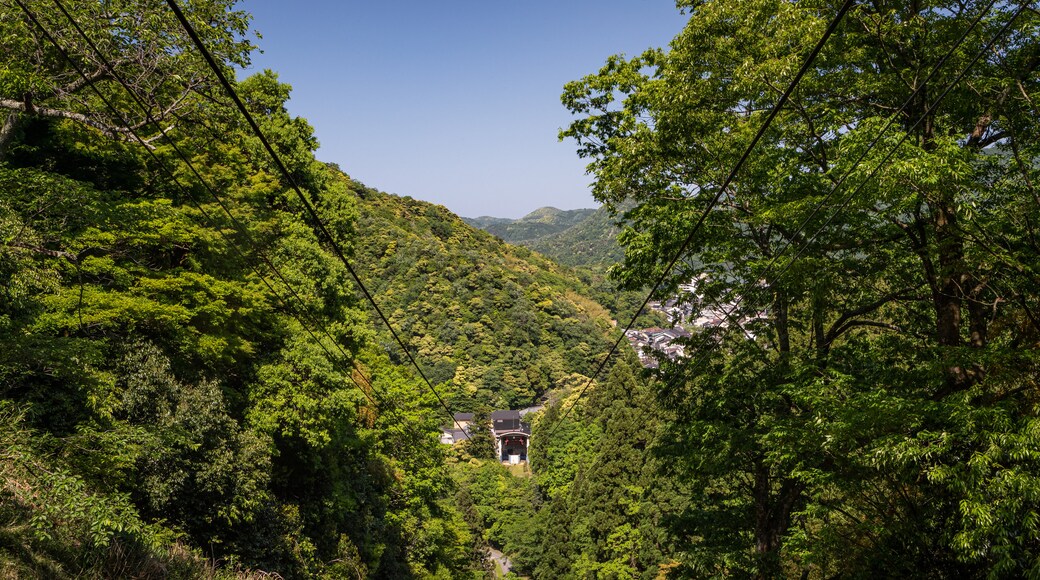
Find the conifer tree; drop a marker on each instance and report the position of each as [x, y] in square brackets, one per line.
[481, 443]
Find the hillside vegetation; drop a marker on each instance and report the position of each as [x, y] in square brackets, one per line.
[170, 405]
[496, 324]
[591, 242]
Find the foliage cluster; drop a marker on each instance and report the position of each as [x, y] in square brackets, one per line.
[606, 496]
[501, 508]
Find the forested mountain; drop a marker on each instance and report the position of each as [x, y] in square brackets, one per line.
[495, 324]
[582, 237]
[537, 224]
[588, 248]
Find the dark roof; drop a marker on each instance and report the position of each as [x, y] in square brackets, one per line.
[500, 430]
[505, 415]
[463, 416]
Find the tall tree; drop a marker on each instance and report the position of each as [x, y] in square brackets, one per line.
[481, 441]
[884, 394]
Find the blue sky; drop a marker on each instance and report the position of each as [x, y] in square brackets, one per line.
[455, 102]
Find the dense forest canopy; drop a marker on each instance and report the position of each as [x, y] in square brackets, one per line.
[177, 385]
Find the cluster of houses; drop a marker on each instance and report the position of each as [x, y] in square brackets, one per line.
[651, 343]
[512, 435]
[647, 342]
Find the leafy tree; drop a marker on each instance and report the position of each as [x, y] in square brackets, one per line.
[146, 46]
[609, 516]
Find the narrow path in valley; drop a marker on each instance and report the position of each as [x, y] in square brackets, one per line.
[502, 563]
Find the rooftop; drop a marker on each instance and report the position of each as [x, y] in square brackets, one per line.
[505, 415]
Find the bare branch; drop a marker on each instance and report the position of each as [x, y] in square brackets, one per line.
[46, 252]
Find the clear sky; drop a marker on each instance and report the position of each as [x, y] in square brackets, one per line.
[456, 102]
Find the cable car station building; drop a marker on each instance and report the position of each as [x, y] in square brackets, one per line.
[512, 435]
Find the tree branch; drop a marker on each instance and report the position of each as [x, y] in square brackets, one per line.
[46, 252]
[76, 85]
[125, 133]
[859, 322]
[848, 319]
[72, 258]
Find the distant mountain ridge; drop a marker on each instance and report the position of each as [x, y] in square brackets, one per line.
[533, 226]
[579, 237]
[592, 242]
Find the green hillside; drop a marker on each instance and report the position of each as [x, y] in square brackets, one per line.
[496, 323]
[184, 395]
[580, 237]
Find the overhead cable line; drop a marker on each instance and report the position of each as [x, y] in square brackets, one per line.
[190, 196]
[318, 222]
[709, 343]
[845, 7]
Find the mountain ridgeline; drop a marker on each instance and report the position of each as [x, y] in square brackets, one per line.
[537, 224]
[579, 237]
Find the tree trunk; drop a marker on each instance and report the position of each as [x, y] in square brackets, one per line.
[7, 132]
[781, 322]
[772, 518]
[948, 294]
